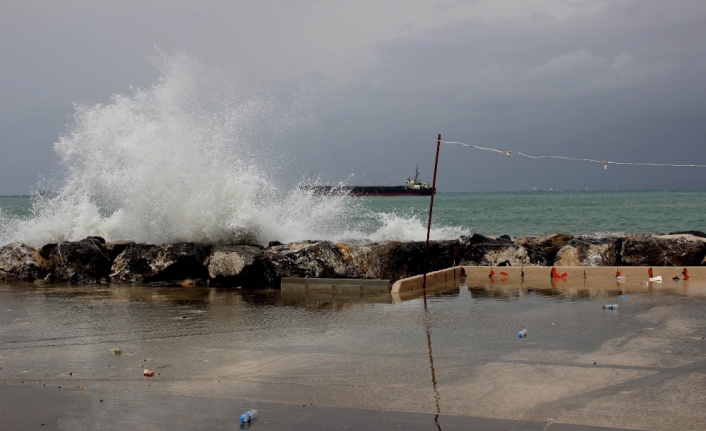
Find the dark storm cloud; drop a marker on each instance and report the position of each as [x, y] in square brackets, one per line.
[620, 80]
[624, 83]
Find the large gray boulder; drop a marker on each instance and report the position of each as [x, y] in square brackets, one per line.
[359, 260]
[19, 261]
[542, 250]
[239, 265]
[308, 259]
[511, 255]
[163, 264]
[591, 250]
[496, 251]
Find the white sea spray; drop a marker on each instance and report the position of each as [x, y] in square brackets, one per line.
[395, 227]
[184, 160]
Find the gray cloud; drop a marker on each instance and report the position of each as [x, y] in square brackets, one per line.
[619, 84]
[614, 80]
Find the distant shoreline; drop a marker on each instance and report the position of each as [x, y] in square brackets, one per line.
[677, 189]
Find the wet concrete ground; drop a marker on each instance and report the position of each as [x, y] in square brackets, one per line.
[353, 361]
[26, 407]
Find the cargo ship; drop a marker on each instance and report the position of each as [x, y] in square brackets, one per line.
[411, 187]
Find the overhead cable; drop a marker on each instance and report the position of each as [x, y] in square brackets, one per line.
[605, 163]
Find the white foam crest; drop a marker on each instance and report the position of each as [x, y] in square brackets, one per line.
[398, 228]
[301, 215]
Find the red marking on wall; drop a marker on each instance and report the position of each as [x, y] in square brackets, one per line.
[555, 274]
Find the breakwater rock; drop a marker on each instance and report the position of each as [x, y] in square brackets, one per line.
[92, 260]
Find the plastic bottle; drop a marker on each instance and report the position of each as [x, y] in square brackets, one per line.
[610, 306]
[522, 334]
[248, 416]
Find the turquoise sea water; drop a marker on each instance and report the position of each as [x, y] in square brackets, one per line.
[520, 213]
[15, 206]
[537, 213]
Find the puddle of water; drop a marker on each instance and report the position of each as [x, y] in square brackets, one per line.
[355, 350]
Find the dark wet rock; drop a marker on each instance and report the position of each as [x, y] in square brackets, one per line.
[697, 233]
[391, 260]
[442, 254]
[116, 247]
[591, 250]
[85, 261]
[542, 250]
[666, 250]
[93, 260]
[21, 262]
[395, 260]
[167, 264]
[484, 251]
[478, 239]
[240, 265]
[308, 259]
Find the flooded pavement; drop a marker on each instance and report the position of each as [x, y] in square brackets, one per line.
[642, 366]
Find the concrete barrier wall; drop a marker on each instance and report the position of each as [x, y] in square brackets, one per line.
[343, 285]
[588, 276]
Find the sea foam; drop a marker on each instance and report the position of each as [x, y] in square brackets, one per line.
[184, 160]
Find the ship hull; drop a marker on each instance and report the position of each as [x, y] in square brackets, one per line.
[368, 190]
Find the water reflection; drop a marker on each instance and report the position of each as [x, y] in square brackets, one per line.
[433, 377]
[427, 328]
[333, 300]
[356, 350]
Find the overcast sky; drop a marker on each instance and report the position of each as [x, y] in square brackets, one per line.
[609, 80]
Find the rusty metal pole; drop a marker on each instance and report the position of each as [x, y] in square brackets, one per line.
[431, 208]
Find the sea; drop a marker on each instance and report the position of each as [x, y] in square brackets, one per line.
[404, 218]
